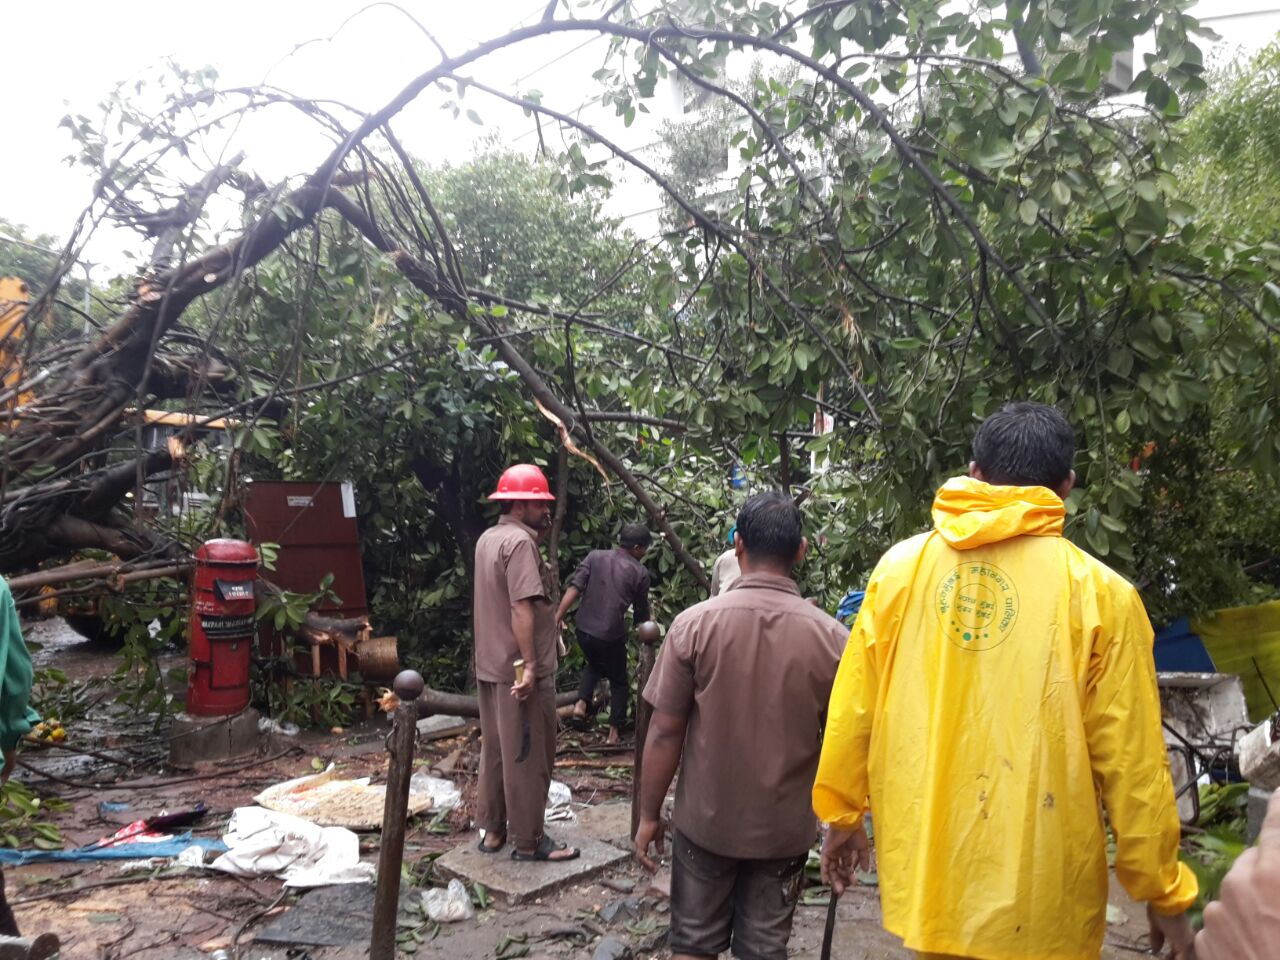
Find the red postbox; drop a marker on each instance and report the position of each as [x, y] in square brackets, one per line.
[221, 628]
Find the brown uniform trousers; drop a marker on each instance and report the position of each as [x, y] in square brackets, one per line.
[8, 926]
[513, 796]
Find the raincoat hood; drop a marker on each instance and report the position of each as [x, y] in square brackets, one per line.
[968, 513]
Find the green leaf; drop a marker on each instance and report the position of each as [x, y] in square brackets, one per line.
[1061, 192]
[845, 16]
[1028, 210]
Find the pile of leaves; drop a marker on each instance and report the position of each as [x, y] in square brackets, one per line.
[22, 818]
[1211, 853]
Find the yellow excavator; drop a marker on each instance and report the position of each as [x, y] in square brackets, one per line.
[14, 296]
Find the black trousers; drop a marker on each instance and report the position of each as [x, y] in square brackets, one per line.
[606, 659]
[8, 925]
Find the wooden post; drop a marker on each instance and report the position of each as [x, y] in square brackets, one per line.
[408, 686]
[648, 633]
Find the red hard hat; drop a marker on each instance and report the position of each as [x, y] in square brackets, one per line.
[523, 481]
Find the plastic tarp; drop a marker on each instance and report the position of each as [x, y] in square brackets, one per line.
[268, 843]
[1235, 638]
[559, 803]
[849, 607]
[166, 849]
[1179, 649]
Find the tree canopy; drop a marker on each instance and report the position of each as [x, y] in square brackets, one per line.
[919, 232]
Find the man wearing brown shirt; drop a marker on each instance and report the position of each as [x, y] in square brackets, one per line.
[514, 619]
[739, 694]
[608, 581]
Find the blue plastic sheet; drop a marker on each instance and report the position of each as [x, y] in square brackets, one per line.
[1179, 648]
[849, 606]
[128, 851]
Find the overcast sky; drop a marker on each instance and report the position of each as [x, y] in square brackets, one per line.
[74, 51]
[61, 53]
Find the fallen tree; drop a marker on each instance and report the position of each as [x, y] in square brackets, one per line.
[902, 264]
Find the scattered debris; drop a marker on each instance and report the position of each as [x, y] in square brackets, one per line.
[629, 909]
[268, 843]
[328, 801]
[269, 725]
[611, 948]
[443, 794]
[559, 803]
[448, 905]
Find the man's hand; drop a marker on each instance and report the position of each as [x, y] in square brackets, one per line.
[843, 852]
[1174, 932]
[650, 832]
[1245, 923]
[10, 760]
[524, 688]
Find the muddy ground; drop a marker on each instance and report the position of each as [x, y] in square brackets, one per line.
[103, 911]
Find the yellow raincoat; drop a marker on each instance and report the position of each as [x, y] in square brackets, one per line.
[998, 683]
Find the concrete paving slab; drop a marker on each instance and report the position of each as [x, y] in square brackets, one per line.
[335, 916]
[610, 822]
[521, 881]
[439, 723]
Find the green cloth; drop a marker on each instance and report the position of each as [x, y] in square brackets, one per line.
[16, 716]
[1246, 641]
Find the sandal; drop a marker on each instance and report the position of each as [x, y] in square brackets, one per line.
[546, 847]
[484, 848]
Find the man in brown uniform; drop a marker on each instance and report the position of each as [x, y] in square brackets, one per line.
[514, 619]
[740, 690]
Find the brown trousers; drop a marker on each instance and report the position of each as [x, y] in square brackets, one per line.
[8, 926]
[513, 796]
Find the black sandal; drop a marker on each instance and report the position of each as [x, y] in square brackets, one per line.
[483, 848]
[546, 847]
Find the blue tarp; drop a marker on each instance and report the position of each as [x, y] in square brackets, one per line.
[128, 851]
[1179, 649]
[850, 606]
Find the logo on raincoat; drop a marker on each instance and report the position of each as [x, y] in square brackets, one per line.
[977, 605]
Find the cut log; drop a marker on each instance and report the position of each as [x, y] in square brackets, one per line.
[436, 702]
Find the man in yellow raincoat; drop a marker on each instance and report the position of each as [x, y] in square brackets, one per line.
[998, 684]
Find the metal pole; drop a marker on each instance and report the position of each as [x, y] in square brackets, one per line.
[408, 686]
[648, 633]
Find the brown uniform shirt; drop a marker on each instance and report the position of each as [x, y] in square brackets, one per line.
[510, 568]
[752, 670]
[610, 581]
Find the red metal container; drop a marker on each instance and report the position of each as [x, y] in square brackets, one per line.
[314, 526]
[221, 644]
